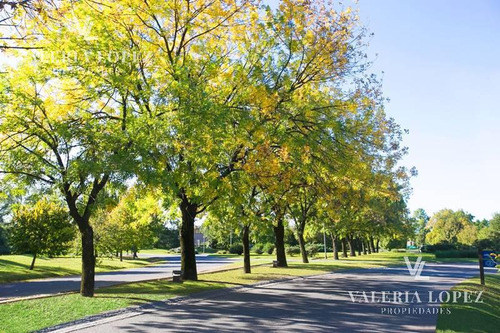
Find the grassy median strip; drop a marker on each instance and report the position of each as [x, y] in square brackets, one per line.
[16, 267]
[35, 314]
[474, 317]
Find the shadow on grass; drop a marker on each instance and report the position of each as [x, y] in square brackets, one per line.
[15, 271]
[474, 317]
[133, 262]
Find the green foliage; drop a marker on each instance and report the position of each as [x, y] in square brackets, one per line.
[41, 229]
[4, 244]
[133, 224]
[268, 248]
[283, 103]
[236, 249]
[472, 253]
[457, 228]
[292, 250]
[420, 219]
[489, 236]
[168, 238]
[313, 249]
[258, 248]
[395, 244]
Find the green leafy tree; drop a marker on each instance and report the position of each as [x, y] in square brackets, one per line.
[133, 224]
[490, 234]
[63, 119]
[421, 219]
[453, 227]
[4, 244]
[41, 229]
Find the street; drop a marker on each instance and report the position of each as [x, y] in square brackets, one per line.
[312, 304]
[72, 283]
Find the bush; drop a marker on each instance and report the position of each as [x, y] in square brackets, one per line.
[258, 248]
[4, 245]
[206, 249]
[236, 249]
[292, 250]
[268, 248]
[443, 246]
[313, 249]
[456, 254]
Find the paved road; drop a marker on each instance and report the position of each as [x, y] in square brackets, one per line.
[72, 283]
[313, 304]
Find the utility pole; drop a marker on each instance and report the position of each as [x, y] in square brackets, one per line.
[324, 241]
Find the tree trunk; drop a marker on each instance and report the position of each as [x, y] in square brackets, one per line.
[88, 261]
[302, 243]
[344, 248]
[246, 249]
[363, 245]
[279, 234]
[376, 247]
[121, 255]
[351, 246]
[33, 262]
[368, 247]
[188, 254]
[358, 245]
[372, 245]
[335, 248]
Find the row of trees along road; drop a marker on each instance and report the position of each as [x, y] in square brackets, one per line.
[228, 107]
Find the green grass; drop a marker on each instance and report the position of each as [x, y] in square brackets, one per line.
[396, 257]
[474, 317]
[153, 252]
[16, 267]
[35, 314]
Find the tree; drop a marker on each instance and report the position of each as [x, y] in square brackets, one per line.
[301, 210]
[421, 218]
[4, 244]
[41, 229]
[133, 224]
[168, 238]
[58, 129]
[453, 227]
[490, 235]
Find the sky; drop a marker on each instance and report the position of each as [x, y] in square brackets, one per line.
[440, 62]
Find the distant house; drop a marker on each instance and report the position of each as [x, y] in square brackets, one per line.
[199, 238]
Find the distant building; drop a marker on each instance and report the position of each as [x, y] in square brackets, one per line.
[199, 238]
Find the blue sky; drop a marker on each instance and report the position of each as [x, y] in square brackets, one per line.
[441, 72]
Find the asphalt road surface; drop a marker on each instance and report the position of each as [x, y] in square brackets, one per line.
[72, 283]
[313, 304]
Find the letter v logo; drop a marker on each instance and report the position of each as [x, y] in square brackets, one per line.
[417, 269]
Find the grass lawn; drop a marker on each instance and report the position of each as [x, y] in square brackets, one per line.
[30, 315]
[385, 258]
[474, 317]
[16, 267]
[153, 252]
